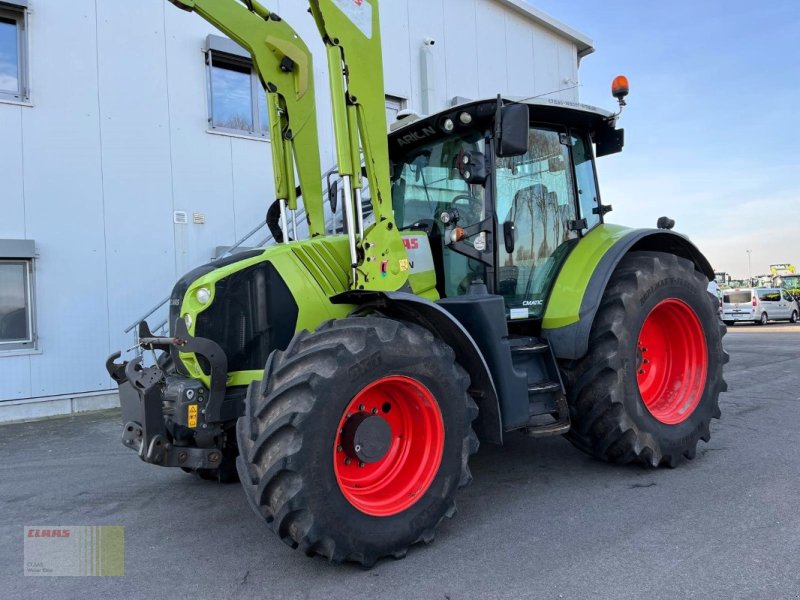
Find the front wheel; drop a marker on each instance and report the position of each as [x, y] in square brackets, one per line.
[793, 318]
[649, 386]
[356, 440]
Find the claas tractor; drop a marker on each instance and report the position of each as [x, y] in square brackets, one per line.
[346, 378]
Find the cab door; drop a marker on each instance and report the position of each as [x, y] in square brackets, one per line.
[535, 198]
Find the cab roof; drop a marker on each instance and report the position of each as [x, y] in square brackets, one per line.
[414, 128]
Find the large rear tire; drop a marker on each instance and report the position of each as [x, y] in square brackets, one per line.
[649, 386]
[356, 440]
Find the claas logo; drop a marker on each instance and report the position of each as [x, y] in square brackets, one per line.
[411, 243]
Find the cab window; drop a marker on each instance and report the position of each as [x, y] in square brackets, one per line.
[585, 180]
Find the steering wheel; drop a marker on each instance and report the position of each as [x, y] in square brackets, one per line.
[474, 208]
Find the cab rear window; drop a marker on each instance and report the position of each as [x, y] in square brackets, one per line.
[736, 297]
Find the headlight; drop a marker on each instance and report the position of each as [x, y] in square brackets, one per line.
[203, 295]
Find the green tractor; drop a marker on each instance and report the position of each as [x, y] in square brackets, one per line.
[347, 378]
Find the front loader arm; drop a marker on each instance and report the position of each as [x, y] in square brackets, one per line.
[285, 66]
[352, 35]
[350, 30]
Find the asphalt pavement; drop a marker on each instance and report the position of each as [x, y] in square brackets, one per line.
[541, 520]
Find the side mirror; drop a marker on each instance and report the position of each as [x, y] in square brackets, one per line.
[472, 167]
[514, 126]
[609, 140]
[509, 235]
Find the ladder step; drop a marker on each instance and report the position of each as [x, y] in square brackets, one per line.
[551, 429]
[544, 387]
[532, 349]
[559, 426]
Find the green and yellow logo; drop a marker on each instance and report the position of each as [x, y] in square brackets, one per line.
[74, 551]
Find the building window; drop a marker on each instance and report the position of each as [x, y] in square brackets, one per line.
[13, 52]
[237, 102]
[16, 305]
[394, 104]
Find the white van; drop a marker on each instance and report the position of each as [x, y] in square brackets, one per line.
[758, 305]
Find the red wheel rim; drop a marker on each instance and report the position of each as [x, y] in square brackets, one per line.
[672, 361]
[402, 476]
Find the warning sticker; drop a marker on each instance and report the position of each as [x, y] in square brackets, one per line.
[359, 12]
[192, 414]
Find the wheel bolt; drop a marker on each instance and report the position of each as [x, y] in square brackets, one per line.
[361, 464]
[347, 461]
[374, 411]
[641, 371]
[361, 407]
[339, 448]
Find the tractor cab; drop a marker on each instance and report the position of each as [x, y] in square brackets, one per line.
[504, 195]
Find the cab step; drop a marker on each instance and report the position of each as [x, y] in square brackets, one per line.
[559, 425]
[544, 387]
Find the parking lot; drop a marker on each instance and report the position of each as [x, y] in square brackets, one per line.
[541, 520]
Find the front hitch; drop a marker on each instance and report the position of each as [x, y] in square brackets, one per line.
[143, 390]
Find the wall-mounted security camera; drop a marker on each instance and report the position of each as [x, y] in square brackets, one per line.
[429, 41]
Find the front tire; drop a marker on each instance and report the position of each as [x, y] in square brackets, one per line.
[326, 490]
[649, 386]
[793, 318]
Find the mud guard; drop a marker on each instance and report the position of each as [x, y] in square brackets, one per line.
[568, 332]
[408, 307]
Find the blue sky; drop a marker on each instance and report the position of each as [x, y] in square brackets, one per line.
[712, 123]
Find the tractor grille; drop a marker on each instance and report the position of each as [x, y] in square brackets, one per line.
[253, 313]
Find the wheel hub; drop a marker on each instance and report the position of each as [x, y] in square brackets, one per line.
[389, 446]
[671, 361]
[366, 438]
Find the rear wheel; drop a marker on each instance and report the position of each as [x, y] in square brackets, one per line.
[729, 323]
[763, 320]
[356, 440]
[649, 386]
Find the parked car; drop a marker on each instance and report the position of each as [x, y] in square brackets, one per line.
[758, 305]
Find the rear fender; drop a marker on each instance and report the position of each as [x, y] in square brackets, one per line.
[579, 286]
[408, 307]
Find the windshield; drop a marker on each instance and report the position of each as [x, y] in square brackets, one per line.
[427, 182]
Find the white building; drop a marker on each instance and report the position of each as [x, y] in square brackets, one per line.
[116, 116]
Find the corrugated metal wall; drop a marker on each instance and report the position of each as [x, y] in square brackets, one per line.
[117, 140]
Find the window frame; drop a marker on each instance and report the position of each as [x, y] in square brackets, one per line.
[391, 101]
[258, 132]
[31, 343]
[19, 14]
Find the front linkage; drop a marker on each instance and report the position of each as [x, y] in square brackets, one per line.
[171, 420]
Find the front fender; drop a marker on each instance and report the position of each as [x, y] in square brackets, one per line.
[579, 286]
[408, 307]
